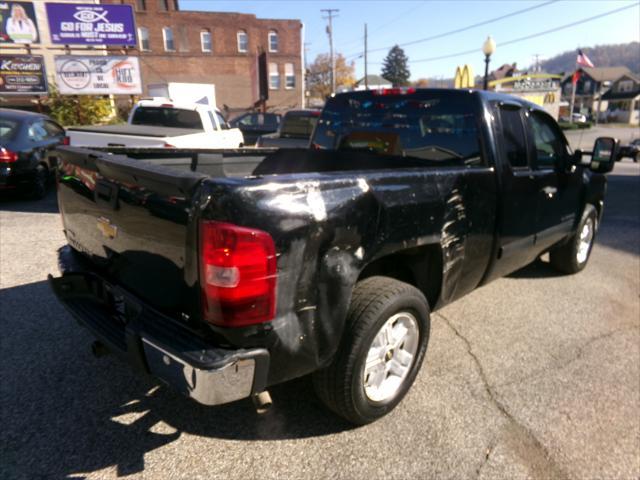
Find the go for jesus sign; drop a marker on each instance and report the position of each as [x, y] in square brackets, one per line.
[87, 24]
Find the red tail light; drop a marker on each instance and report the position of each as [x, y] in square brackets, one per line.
[66, 140]
[7, 156]
[237, 274]
[168, 145]
[394, 91]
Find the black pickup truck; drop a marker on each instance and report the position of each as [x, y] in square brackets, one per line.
[225, 272]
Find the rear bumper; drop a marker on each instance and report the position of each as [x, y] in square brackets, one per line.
[152, 343]
[10, 178]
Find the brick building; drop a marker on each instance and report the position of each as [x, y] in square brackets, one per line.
[219, 48]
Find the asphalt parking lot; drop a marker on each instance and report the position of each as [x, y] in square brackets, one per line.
[536, 375]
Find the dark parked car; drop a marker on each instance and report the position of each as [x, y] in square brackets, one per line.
[27, 141]
[267, 265]
[254, 124]
[632, 151]
[295, 130]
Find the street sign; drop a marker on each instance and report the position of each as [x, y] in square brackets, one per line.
[22, 75]
[90, 24]
[18, 23]
[98, 75]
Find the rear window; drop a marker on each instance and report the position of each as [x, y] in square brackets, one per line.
[298, 125]
[429, 127]
[8, 129]
[167, 117]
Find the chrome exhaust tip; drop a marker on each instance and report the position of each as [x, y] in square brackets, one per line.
[262, 401]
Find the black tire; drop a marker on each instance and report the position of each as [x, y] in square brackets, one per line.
[636, 157]
[340, 386]
[565, 258]
[39, 184]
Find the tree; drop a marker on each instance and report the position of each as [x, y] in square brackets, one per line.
[421, 83]
[395, 68]
[319, 75]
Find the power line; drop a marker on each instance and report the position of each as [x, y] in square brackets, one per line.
[458, 30]
[380, 27]
[528, 37]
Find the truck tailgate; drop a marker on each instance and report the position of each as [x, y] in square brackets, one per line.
[131, 219]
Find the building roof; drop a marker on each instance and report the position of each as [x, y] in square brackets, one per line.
[606, 74]
[374, 80]
[632, 76]
[506, 70]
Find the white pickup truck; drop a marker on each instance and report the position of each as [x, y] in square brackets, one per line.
[160, 122]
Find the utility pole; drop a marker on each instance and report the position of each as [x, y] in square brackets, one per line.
[536, 65]
[366, 80]
[331, 13]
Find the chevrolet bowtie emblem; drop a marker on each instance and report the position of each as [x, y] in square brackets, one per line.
[106, 228]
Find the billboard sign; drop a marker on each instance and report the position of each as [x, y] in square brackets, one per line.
[22, 75]
[90, 24]
[18, 23]
[98, 75]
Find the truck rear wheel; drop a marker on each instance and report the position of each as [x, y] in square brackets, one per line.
[572, 256]
[381, 351]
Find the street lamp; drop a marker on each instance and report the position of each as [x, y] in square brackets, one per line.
[488, 47]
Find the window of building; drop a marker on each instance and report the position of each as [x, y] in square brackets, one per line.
[273, 41]
[143, 39]
[169, 44]
[205, 40]
[183, 37]
[163, 5]
[587, 86]
[243, 41]
[274, 77]
[625, 86]
[289, 76]
[176, 7]
[141, 5]
[513, 138]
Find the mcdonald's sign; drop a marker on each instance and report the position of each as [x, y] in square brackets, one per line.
[464, 77]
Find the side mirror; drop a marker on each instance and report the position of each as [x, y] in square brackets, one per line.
[603, 157]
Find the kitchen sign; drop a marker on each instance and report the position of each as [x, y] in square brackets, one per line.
[98, 75]
[22, 75]
[90, 24]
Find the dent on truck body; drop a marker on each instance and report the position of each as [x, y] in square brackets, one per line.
[329, 226]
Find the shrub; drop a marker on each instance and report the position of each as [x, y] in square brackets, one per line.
[79, 110]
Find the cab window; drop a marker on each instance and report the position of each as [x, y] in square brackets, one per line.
[549, 145]
[513, 137]
[222, 121]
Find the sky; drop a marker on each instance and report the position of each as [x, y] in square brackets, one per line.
[398, 22]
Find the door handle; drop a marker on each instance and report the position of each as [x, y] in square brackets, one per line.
[549, 191]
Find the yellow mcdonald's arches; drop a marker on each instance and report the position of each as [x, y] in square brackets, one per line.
[550, 98]
[464, 77]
